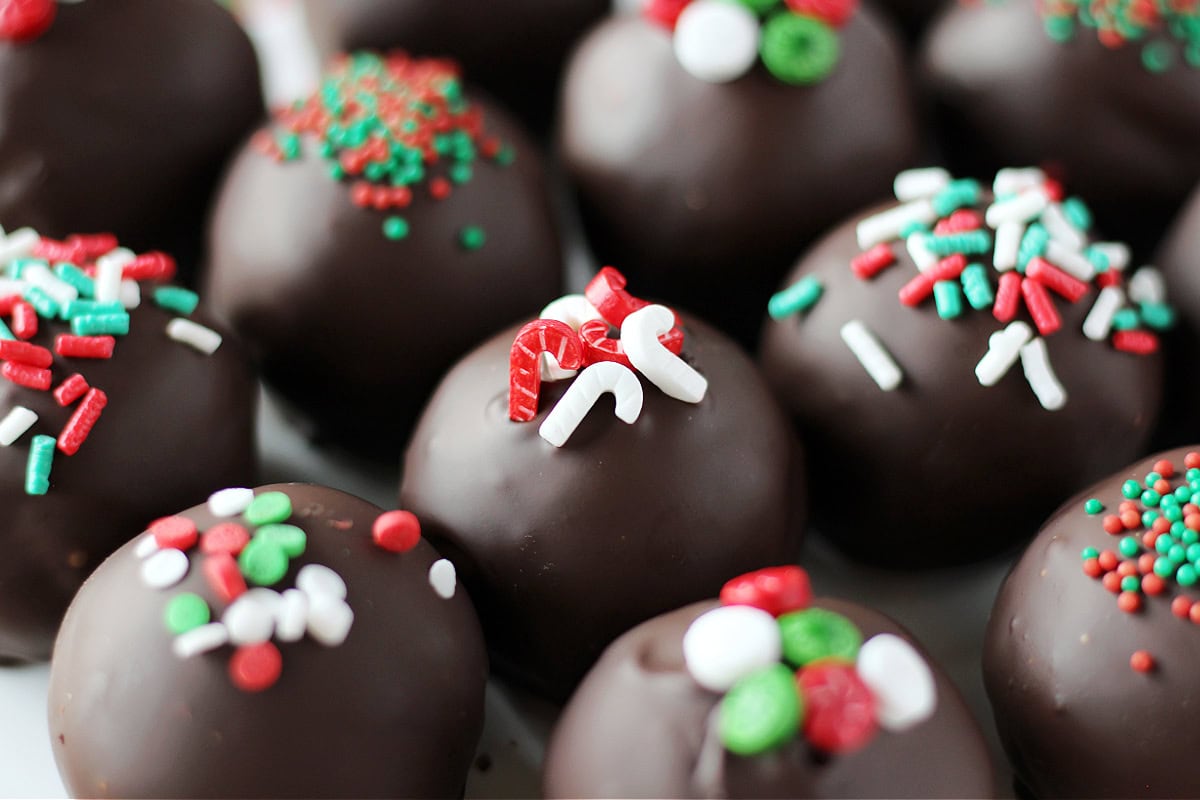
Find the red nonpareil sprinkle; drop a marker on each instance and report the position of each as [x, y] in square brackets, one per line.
[869, 264]
[1153, 585]
[1181, 607]
[1054, 190]
[1165, 468]
[834, 12]
[1161, 525]
[1140, 343]
[24, 320]
[223, 576]
[1162, 486]
[226, 537]
[360, 194]
[71, 390]
[917, 290]
[400, 196]
[255, 667]
[1192, 460]
[664, 12]
[524, 362]
[1112, 582]
[839, 709]
[84, 346]
[439, 188]
[396, 531]
[82, 421]
[1066, 286]
[1108, 560]
[1141, 661]
[1129, 602]
[174, 532]
[25, 20]
[1110, 277]
[1008, 295]
[152, 266]
[27, 376]
[1041, 307]
[1091, 568]
[1127, 505]
[1194, 613]
[1112, 524]
[381, 197]
[1131, 520]
[1146, 562]
[1127, 568]
[1150, 538]
[776, 590]
[25, 353]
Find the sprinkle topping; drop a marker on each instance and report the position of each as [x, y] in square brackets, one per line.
[1162, 27]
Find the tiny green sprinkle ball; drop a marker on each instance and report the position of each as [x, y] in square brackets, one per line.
[761, 711]
[1186, 575]
[395, 228]
[797, 49]
[472, 237]
[268, 507]
[1093, 506]
[1131, 489]
[263, 562]
[1129, 547]
[760, 7]
[1089, 552]
[1130, 583]
[815, 634]
[186, 611]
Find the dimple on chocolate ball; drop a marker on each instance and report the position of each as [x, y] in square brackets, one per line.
[376, 233]
[572, 517]
[768, 693]
[273, 642]
[707, 145]
[1090, 654]
[961, 359]
[97, 139]
[119, 400]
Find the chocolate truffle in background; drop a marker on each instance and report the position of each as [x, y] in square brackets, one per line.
[96, 139]
[1092, 644]
[570, 523]
[702, 167]
[515, 49]
[1179, 259]
[913, 16]
[352, 666]
[119, 401]
[373, 235]
[953, 385]
[767, 693]
[1111, 100]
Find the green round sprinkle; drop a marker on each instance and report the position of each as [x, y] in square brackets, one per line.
[1173, 513]
[1193, 552]
[1193, 474]
[1163, 544]
[1169, 500]
[800, 296]
[395, 228]
[761, 711]
[472, 237]
[1183, 494]
[1089, 552]
[1186, 575]
[1157, 56]
[798, 49]
[1177, 554]
[263, 562]
[269, 507]
[460, 173]
[506, 155]
[1129, 546]
[1130, 583]
[186, 611]
[815, 633]
[760, 7]
[1151, 479]
[1059, 28]
[289, 538]
[1189, 536]
[1148, 518]
[1093, 506]
[1163, 567]
[1131, 489]
[1150, 498]
[1177, 528]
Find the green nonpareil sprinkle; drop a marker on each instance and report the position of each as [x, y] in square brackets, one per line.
[1093, 506]
[472, 237]
[268, 508]
[186, 611]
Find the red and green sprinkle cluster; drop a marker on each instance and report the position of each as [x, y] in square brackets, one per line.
[1118, 22]
[388, 125]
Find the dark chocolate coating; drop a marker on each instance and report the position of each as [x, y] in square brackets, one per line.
[705, 193]
[120, 117]
[515, 48]
[314, 287]
[178, 425]
[394, 711]
[1179, 259]
[913, 16]
[565, 549]
[1005, 93]
[1074, 717]
[637, 728]
[943, 469]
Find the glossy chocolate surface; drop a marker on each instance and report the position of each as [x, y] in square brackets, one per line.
[1179, 259]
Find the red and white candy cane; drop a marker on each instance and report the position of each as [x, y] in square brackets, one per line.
[572, 310]
[607, 293]
[524, 362]
[606, 376]
[666, 370]
[599, 346]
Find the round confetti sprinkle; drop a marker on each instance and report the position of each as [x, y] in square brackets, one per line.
[761, 711]
[903, 684]
[225, 537]
[797, 49]
[269, 507]
[177, 532]
[839, 708]
[396, 531]
[1141, 661]
[164, 569]
[250, 619]
[442, 578]
[395, 228]
[329, 619]
[816, 634]
[319, 580]
[1093, 506]
[263, 562]
[716, 41]
[289, 538]
[230, 502]
[255, 667]
[472, 237]
[776, 590]
[25, 20]
[186, 611]
[726, 644]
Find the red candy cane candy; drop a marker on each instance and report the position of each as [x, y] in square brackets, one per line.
[606, 291]
[599, 346]
[524, 363]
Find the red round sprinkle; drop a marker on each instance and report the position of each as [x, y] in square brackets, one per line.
[1131, 520]
[834, 12]
[1141, 661]
[396, 531]
[177, 532]
[839, 708]
[226, 537]
[360, 194]
[1091, 568]
[1192, 460]
[1146, 562]
[1162, 486]
[439, 188]
[1164, 467]
[1127, 505]
[1181, 607]
[1127, 568]
[254, 667]
[24, 20]
[776, 590]
[1129, 602]
[1152, 584]
[1112, 582]
[1161, 525]
[222, 573]
[1190, 508]
[1112, 524]
[1194, 613]
[664, 12]
[400, 196]
[1108, 560]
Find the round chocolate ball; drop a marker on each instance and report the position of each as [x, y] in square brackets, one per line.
[168, 423]
[641, 726]
[938, 467]
[381, 697]
[516, 49]
[1090, 652]
[95, 140]
[1179, 259]
[563, 549]
[913, 16]
[704, 192]
[1006, 92]
[356, 284]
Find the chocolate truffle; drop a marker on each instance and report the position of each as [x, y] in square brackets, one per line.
[96, 139]
[563, 549]
[875, 718]
[1119, 119]
[971, 394]
[516, 48]
[150, 408]
[352, 667]
[1091, 649]
[913, 16]
[365, 244]
[1179, 258]
[705, 191]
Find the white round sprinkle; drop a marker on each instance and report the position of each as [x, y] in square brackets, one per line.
[147, 546]
[443, 578]
[250, 619]
[200, 640]
[902, 682]
[329, 620]
[291, 617]
[229, 502]
[716, 41]
[728, 643]
[165, 568]
[317, 580]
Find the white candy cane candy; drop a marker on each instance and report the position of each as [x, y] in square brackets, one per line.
[729, 643]
[1022, 208]
[250, 619]
[230, 502]
[1070, 260]
[573, 406]
[15, 423]
[1062, 229]
[667, 371]
[1008, 245]
[203, 339]
[146, 546]
[901, 680]
[291, 617]
[329, 620]
[572, 310]
[200, 640]
[887, 225]
[914, 184]
[108, 274]
[918, 250]
[1117, 253]
[1011, 180]
[1147, 286]
[1099, 320]
[318, 580]
[1004, 348]
[716, 41]
[18, 244]
[130, 294]
[871, 354]
[443, 578]
[1035, 360]
[165, 568]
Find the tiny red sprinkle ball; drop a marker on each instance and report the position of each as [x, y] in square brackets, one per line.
[175, 532]
[1113, 524]
[1112, 582]
[1127, 568]
[776, 590]
[1150, 537]
[254, 667]
[1192, 521]
[1129, 602]
[1161, 525]
[1131, 520]
[1126, 505]
[1164, 467]
[1108, 560]
[1194, 613]
[360, 194]
[834, 12]
[1192, 460]
[439, 188]
[839, 712]
[1181, 607]
[1190, 508]
[1152, 584]
[226, 537]
[25, 20]
[664, 12]
[1162, 486]
[396, 531]
[1141, 661]
[1146, 563]
[1091, 568]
